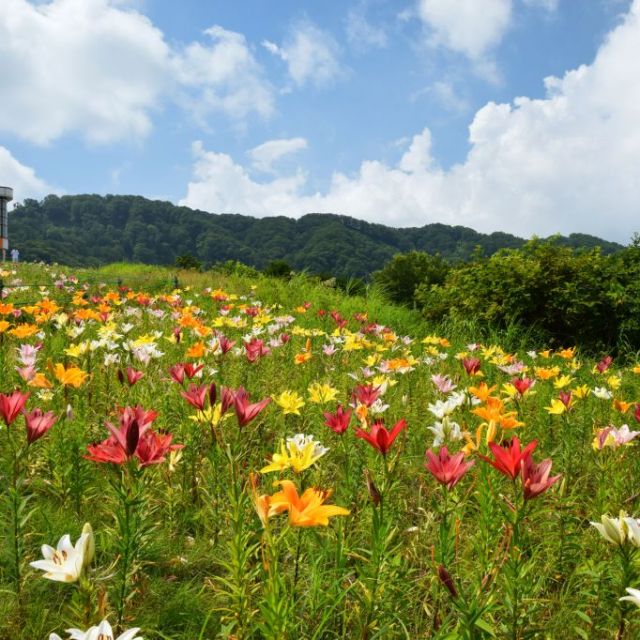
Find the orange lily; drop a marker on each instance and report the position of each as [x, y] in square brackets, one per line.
[307, 510]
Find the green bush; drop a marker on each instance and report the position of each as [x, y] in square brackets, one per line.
[566, 296]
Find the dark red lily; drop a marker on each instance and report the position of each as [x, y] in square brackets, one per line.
[471, 365]
[133, 438]
[38, 424]
[565, 398]
[445, 468]
[338, 421]
[508, 457]
[11, 405]
[535, 477]
[379, 438]
[636, 413]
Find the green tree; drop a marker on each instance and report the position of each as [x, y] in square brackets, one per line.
[404, 272]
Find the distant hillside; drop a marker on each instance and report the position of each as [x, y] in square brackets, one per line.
[90, 230]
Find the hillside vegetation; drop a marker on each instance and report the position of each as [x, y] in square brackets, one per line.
[89, 230]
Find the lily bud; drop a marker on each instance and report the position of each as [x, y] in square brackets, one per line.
[89, 545]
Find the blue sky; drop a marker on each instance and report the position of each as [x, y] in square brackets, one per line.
[401, 112]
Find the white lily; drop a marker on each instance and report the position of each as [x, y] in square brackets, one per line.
[634, 596]
[103, 632]
[65, 562]
[619, 530]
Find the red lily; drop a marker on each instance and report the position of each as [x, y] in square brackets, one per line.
[192, 370]
[604, 364]
[11, 405]
[245, 411]
[338, 319]
[225, 344]
[196, 395]
[338, 421]
[637, 412]
[535, 477]
[379, 437]
[153, 447]
[227, 398]
[366, 394]
[177, 373]
[522, 385]
[38, 424]
[182, 369]
[133, 438]
[445, 468]
[565, 398]
[508, 457]
[255, 349]
[471, 365]
[133, 375]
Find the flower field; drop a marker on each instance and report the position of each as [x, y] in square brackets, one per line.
[242, 457]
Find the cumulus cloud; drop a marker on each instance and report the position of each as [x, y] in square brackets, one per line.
[264, 155]
[100, 68]
[565, 163]
[22, 179]
[311, 55]
[227, 75]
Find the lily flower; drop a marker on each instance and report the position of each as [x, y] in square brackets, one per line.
[289, 402]
[445, 468]
[38, 424]
[103, 632]
[619, 530]
[66, 562]
[307, 510]
[11, 405]
[338, 421]
[300, 452]
[379, 438]
[472, 366]
[245, 411]
[535, 477]
[196, 395]
[366, 394]
[133, 376]
[508, 457]
[634, 596]
[522, 385]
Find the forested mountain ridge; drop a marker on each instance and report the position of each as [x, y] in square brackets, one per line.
[91, 230]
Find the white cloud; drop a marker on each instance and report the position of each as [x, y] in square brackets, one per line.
[446, 94]
[566, 163]
[221, 185]
[363, 35]
[264, 155]
[311, 55]
[227, 74]
[22, 179]
[470, 27]
[100, 68]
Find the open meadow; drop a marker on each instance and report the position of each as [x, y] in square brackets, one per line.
[234, 456]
